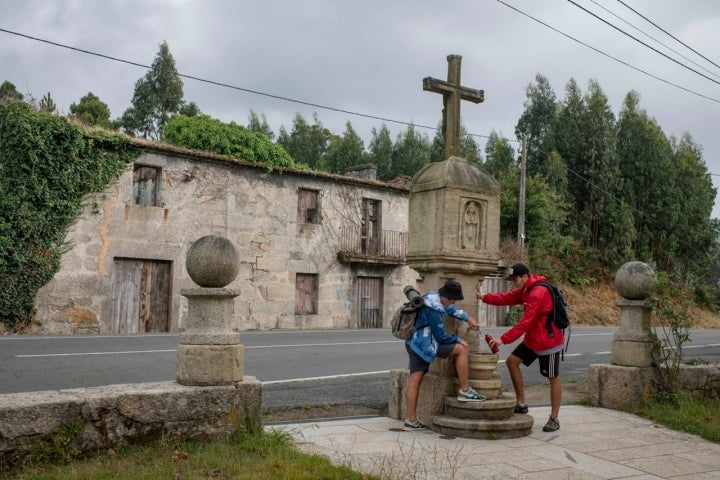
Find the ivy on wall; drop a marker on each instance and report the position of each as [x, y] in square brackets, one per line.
[47, 166]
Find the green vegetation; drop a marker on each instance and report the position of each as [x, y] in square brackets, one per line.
[202, 132]
[686, 413]
[246, 455]
[47, 166]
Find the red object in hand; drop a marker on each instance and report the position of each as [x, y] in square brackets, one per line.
[493, 347]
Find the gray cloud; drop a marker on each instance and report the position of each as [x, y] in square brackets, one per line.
[368, 57]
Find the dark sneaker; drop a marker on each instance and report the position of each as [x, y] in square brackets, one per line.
[409, 426]
[552, 425]
[470, 395]
[521, 408]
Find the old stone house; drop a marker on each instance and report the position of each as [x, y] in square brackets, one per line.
[316, 250]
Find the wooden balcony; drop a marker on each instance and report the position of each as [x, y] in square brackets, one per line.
[385, 248]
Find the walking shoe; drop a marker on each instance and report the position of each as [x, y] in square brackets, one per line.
[470, 396]
[552, 425]
[409, 426]
[521, 408]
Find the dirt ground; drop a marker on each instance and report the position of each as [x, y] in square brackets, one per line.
[535, 395]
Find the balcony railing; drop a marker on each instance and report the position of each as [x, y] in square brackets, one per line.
[387, 247]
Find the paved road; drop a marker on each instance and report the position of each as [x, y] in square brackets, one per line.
[298, 368]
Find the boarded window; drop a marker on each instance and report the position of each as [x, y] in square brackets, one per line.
[141, 296]
[146, 185]
[370, 299]
[308, 208]
[306, 293]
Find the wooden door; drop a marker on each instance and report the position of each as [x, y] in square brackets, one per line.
[370, 302]
[141, 297]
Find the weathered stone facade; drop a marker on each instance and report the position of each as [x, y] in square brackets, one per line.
[137, 229]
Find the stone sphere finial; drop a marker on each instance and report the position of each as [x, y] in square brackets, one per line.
[635, 280]
[212, 261]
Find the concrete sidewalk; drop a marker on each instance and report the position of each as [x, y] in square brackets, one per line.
[592, 443]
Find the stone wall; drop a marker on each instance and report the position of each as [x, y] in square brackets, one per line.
[118, 415]
[254, 208]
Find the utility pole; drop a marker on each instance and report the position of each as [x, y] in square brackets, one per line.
[521, 212]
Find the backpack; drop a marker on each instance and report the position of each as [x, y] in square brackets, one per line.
[559, 314]
[402, 324]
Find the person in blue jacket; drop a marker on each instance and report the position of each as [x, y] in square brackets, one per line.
[431, 341]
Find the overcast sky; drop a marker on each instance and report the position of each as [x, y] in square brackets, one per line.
[369, 57]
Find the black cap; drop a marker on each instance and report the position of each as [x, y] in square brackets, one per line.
[451, 290]
[518, 270]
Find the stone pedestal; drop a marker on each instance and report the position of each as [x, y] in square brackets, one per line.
[630, 379]
[634, 344]
[209, 353]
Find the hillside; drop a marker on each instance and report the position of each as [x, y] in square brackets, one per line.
[595, 305]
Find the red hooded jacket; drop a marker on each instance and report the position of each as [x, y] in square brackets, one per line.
[536, 306]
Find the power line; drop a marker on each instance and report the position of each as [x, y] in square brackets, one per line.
[654, 39]
[642, 43]
[608, 55]
[667, 33]
[234, 87]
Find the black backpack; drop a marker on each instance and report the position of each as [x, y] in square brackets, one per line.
[559, 314]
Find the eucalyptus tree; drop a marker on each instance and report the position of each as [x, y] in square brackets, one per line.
[157, 97]
[499, 155]
[346, 151]
[469, 147]
[648, 171]
[260, 124]
[695, 197]
[411, 152]
[380, 152]
[307, 144]
[536, 124]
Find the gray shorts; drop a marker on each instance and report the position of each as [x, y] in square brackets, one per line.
[417, 363]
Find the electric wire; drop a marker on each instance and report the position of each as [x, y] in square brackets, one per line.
[667, 33]
[641, 42]
[654, 39]
[608, 55]
[234, 87]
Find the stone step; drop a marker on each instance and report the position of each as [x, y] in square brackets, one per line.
[519, 425]
[500, 408]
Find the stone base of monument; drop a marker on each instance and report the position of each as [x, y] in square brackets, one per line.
[518, 425]
[439, 408]
[619, 387]
[205, 365]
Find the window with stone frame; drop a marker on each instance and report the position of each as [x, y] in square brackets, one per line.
[147, 181]
[308, 206]
[306, 293]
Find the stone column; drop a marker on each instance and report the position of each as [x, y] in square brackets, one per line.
[630, 378]
[209, 352]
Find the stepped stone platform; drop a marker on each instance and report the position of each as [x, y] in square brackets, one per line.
[492, 419]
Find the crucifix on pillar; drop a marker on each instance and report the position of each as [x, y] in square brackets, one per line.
[452, 93]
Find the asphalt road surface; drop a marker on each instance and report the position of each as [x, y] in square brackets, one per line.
[297, 368]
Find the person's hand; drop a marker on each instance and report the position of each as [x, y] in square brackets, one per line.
[464, 344]
[495, 342]
[472, 323]
[478, 289]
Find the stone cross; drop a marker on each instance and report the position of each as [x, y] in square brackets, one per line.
[452, 93]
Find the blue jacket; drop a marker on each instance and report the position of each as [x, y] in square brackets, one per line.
[431, 328]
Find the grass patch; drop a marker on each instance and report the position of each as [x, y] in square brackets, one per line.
[248, 456]
[687, 413]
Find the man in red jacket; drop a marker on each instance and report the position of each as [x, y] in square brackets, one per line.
[539, 341]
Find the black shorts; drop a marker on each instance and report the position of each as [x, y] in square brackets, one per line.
[417, 363]
[549, 364]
